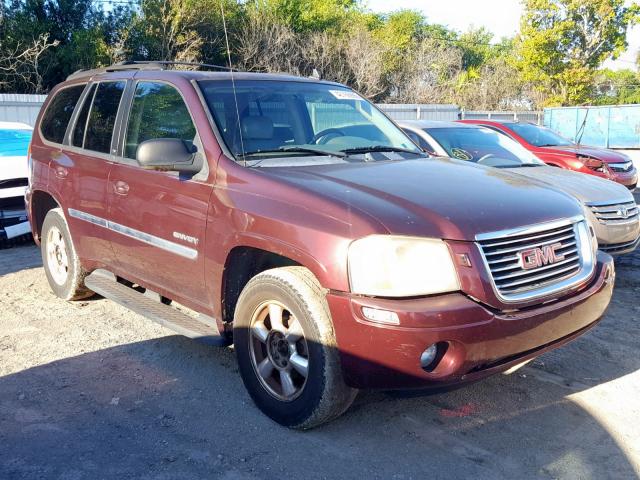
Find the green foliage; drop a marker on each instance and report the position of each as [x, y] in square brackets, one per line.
[400, 56]
[616, 87]
[308, 15]
[563, 42]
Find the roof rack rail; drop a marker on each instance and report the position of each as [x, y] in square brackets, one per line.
[142, 65]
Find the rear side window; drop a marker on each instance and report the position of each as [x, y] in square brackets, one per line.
[77, 138]
[56, 118]
[157, 111]
[102, 117]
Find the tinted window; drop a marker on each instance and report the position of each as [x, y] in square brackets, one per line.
[77, 138]
[157, 111]
[56, 118]
[103, 116]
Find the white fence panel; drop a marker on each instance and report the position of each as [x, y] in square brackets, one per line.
[17, 107]
[517, 116]
[420, 111]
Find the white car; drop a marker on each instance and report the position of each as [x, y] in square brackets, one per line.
[609, 206]
[14, 145]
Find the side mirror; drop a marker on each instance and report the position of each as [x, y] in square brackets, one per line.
[168, 154]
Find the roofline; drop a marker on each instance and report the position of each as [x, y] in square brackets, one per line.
[142, 65]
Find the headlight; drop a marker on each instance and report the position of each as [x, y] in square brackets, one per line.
[588, 219]
[389, 266]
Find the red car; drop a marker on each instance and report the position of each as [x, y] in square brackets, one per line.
[291, 218]
[557, 151]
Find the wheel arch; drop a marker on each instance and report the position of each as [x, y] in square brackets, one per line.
[242, 264]
[40, 204]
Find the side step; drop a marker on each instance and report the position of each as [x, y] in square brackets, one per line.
[204, 329]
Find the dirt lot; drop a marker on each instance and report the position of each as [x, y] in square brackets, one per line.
[89, 390]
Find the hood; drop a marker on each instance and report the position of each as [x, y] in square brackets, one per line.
[603, 154]
[13, 167]
[440, 198]
[586, 188]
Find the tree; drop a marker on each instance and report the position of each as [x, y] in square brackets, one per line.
[429, 73]
[563, 42]
[616, 87]
[21, 64]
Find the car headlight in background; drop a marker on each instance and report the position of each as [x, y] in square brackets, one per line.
[394, 266]
[621, 167]
[589, 220]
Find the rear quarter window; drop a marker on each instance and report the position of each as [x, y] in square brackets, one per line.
[56, 118]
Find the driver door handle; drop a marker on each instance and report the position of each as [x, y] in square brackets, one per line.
[121, 188]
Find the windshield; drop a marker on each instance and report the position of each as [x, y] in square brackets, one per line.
[483, 146]
[14, 143]
[287, 119]
[539, 136]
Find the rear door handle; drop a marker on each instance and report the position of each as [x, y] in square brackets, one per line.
[61, 172]
[121, 188]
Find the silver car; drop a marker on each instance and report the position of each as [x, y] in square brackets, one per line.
[609, 206]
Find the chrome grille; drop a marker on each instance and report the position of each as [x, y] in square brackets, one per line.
[621, 167]
[513, 282]
[614, 213]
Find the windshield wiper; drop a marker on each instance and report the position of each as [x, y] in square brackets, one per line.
[379, 148]
[522, 165]
[292, 149]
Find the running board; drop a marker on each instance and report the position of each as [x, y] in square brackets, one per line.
[204, 329]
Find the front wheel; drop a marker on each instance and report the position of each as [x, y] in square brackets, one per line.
[286, 349]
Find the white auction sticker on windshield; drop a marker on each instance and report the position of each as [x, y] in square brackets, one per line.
[345, 95]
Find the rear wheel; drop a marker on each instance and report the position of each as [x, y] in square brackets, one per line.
[286, 349]
[61, 263]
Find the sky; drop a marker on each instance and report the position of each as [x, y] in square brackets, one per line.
[502, 17]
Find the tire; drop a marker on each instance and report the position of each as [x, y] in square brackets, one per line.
[61, 263]
[322, 394]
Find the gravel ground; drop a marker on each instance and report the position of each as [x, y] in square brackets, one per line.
[89, 390]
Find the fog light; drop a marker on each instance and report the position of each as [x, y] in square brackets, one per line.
[428, 356]
[381, 316]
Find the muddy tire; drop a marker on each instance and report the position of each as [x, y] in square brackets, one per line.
[61, 263]
[286, 349]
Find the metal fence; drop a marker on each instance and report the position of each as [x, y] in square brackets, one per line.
[517, 116]
[16, 107]
[399, 111]
[611, 126]
[453, 112]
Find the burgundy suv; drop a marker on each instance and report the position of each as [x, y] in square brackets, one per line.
[291, 217]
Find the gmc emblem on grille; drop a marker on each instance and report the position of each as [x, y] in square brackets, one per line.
[539, 257]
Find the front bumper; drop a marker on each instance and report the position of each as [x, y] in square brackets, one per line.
[13, 215]
[13, 223]
[620, 248]
[616, 238]
[628, 179]
[480, 341]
